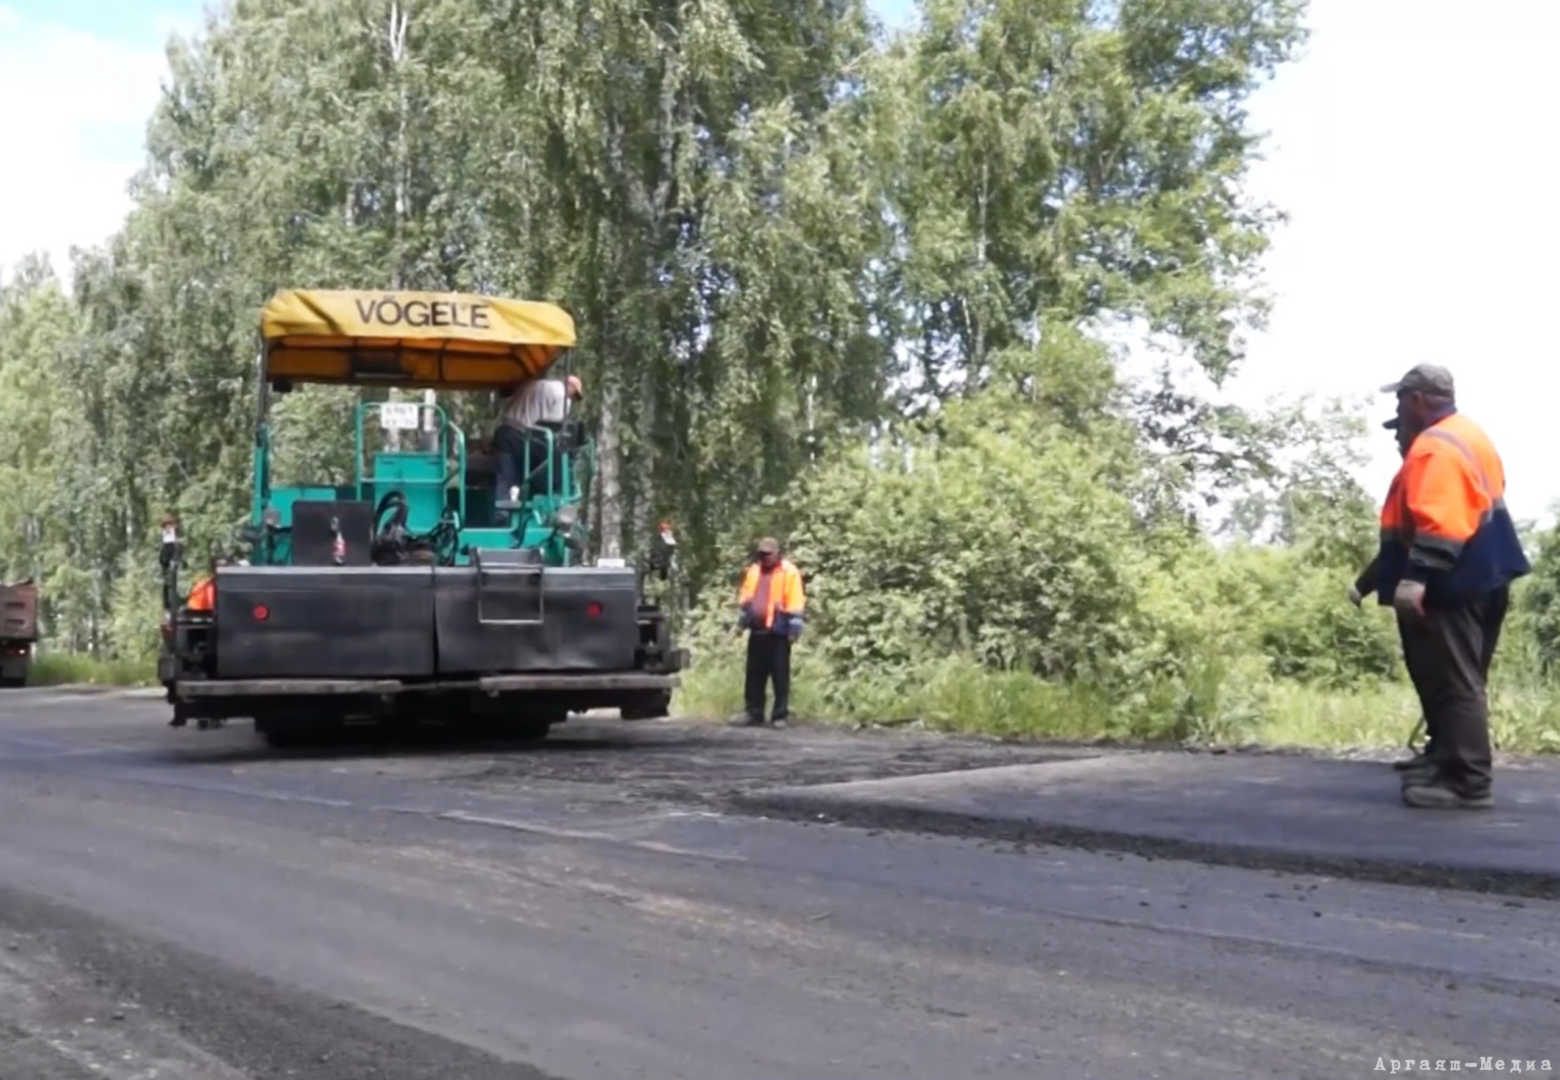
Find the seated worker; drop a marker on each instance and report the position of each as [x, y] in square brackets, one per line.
[534, 405]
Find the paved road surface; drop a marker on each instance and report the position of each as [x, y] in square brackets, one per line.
[181, 904]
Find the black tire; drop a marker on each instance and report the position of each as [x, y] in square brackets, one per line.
[651, 705]
[533, 726]
[299, 728]
[530, 730]
[506, 719]
[277, 734]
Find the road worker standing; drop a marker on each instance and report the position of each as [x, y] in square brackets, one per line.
[1448, 554]
[771, 602]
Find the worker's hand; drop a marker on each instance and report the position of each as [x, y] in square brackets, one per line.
[1354, 596]
[1409, 597]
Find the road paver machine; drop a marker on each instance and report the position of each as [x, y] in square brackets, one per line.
[418, 589]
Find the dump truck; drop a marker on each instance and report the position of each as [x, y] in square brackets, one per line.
[419, 589]
[18, 631]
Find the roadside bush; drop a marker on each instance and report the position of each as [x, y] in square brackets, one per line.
[60, 668]
[999, 542]
[993, 572]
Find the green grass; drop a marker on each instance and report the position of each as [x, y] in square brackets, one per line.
[58, 669]
[1523, 719]
[954, 696]
[1235, 704]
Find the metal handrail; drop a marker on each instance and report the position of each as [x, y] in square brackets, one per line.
[446, 427]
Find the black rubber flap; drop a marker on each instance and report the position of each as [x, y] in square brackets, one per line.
[532, 618]
[325, 622]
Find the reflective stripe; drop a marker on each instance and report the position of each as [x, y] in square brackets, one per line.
[1439, 543]
[1436, 552]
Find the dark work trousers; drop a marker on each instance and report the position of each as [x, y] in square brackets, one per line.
[1448, 654]
[768, 657]
[510, 446]
[1497, 614]
[1410, 657]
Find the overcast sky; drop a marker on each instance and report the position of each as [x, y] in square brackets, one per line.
[1412, 146]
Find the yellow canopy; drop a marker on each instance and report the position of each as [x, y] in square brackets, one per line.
[410, 338]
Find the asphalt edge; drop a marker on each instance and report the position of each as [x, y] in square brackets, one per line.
[91, 690]
[824, 809]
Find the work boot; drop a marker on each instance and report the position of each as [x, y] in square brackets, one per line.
[1438, 795]
[779, 723]
[1420, 759]
[744, 720]
[1421, 770]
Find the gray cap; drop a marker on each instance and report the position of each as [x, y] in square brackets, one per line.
[768, 546]
[1428, 378]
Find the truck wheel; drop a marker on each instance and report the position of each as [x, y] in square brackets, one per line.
[299, 728]
[534, 725]
[648, 706]
[276, 732]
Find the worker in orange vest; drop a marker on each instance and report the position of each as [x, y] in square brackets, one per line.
[203, 594]
[771, 602]
[1449, 552]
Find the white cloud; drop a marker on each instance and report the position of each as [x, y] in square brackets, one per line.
[73, 130]
[1413, 149]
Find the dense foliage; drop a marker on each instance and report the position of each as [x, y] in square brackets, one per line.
[850, 289]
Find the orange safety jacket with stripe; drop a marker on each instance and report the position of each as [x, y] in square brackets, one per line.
[203, 594]
[1445, 521]
[783, 613]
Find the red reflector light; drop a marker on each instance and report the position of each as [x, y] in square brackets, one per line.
[593, 610]
[261, 613]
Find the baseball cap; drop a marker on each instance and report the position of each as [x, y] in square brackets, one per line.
[768, 546]
[1428, 378]
[1391, 425]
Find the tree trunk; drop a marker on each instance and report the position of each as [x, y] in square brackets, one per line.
[395, 37]
[980, 263]
[399, 18]
[609, 476]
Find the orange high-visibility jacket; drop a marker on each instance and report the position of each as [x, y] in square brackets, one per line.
[203, 594]
[1445, 521]
[785, 596]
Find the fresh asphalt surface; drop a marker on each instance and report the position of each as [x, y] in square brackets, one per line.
[614, 903]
